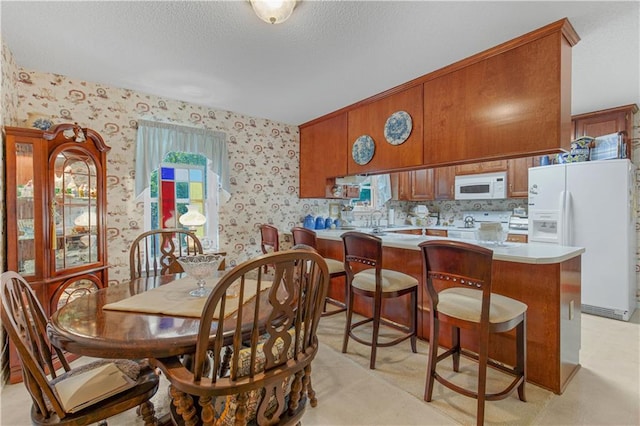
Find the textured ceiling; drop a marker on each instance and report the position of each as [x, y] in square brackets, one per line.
[329, 54]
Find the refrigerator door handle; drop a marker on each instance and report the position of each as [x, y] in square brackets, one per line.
[562, 219]
[567, 220]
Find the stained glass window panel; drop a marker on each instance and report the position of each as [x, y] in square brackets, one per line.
[182, 190]
[196, 190]
[168, 205]
[182, 174]
[196, 175]
[167, 173]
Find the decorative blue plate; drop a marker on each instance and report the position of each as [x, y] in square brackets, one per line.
[398, 127]
[363, 149]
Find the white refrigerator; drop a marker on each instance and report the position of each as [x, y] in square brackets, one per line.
[592, 205]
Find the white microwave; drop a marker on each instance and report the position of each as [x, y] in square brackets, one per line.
[483, 186]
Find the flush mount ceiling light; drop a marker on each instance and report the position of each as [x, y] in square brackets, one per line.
[273, 11]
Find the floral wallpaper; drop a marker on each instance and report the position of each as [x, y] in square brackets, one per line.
[263, 159]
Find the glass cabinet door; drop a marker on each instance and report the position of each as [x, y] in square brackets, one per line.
[28, 238]
[73, 210]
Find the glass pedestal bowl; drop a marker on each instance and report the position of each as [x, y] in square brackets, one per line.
[492, 237]
[200, 267]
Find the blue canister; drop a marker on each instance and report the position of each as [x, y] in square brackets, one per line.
[327, 223]
[319, 222]
[309, 222]
[544, 160]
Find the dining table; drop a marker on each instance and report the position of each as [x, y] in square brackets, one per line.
[86, 326]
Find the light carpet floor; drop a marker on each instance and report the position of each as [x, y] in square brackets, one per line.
[406, 370]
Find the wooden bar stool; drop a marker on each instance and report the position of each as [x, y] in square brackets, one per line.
[269, 240]
[376, 283]
[458, 280]
[336, 268]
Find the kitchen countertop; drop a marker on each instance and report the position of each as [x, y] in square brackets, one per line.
[535, 253]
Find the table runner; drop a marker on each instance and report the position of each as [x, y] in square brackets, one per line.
[174, 299]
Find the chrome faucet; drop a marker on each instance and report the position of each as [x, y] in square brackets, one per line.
[375, 218]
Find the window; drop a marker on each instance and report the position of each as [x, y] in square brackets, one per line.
[180, 180]
[177, 166]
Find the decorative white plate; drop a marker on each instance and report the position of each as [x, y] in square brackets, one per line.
[363, 149]
[398, 127]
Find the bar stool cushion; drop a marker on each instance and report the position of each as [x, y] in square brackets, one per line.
[391, 280]
[466, 304]
[335, 266]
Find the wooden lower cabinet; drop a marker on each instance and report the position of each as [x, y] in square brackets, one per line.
[437, 232]
[517, 238]
[551, 292]
[409, 231]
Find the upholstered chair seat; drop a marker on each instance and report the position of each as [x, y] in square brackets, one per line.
[391, 280]
[466, 304]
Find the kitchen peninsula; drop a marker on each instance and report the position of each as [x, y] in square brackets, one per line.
[545, 277]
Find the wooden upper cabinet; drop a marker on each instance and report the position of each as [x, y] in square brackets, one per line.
[504, 103]
[323, 154]
[518, 177]
[415, 185]
[481, 167]
[370, 119]
[605, 122]
[444, 178]
[422, 184]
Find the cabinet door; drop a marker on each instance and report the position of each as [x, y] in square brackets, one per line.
[494, 166]
[370, 119]
[510, 103]
[25, 193]
[444, 178]
[323, 154]
[601, 124]
[422, 185]
[75, 205]
[517, 238]
[518, 177]
[416, 185]
[605, 122]
[400, 186]
[482, 167]
[468, 169]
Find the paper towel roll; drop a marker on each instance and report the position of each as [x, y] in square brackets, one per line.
[391, 217]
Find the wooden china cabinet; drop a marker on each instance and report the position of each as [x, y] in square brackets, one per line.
[56, 206]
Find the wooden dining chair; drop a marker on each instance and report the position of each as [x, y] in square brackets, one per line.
[336, 267]
[269, 240]
[44, 366]
[268, 377]
[377, 284]
[154, 252]
[458, 280]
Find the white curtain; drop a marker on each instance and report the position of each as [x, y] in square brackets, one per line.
[380, 190]
[156, 139]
